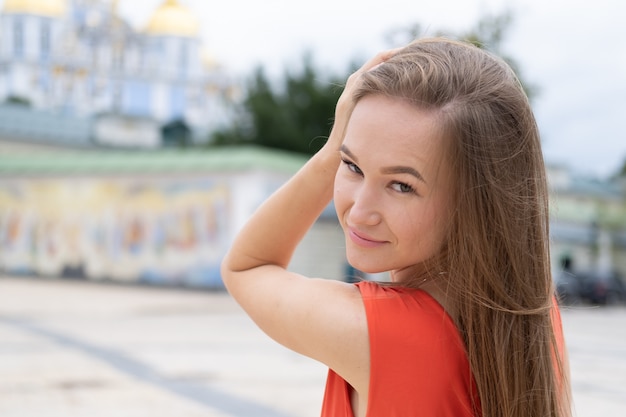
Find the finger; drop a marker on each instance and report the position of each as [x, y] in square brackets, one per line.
[379, 58]
[374, 62]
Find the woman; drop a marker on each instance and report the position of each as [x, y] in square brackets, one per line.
[435, 167]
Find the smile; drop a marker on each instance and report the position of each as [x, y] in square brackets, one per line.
[363, 240]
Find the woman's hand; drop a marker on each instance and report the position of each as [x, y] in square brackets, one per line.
[346, 103]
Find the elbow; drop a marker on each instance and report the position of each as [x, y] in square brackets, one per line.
[226, 273]
[234, 276]
[232, 272]
[236, 270]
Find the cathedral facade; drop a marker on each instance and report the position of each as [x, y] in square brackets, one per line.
[81, 58]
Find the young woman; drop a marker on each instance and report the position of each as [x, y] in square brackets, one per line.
[436, 171]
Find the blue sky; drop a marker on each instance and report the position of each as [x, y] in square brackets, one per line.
[574, 51]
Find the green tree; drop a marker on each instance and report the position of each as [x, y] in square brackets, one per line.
[296, 113]
[295, 116]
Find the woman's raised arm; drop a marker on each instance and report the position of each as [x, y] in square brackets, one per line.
[323, 319]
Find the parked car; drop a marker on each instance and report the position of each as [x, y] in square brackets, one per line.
[568, 288]
[603, 288]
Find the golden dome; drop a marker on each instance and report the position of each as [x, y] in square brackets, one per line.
[173, 19]
[52, 8]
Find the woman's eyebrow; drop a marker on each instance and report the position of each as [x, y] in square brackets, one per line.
[403, 170]
[347, 151]
[400, 169]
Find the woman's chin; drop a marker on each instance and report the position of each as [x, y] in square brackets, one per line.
[366, 267]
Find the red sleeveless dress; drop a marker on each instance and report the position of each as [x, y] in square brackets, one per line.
[418, 364]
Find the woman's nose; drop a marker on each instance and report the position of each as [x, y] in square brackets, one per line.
[365, 207]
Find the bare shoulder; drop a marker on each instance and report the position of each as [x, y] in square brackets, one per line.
[321, 318]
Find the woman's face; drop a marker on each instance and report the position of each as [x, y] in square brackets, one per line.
[392, 189]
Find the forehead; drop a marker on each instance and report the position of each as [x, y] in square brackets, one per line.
[395, 131]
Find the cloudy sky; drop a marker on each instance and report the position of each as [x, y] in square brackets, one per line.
[574, 51]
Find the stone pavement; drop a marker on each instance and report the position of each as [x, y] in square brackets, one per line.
[77, 349]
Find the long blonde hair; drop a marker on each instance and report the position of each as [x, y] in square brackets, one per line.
[496, 257]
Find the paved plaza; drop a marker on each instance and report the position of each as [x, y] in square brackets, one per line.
[78, 349]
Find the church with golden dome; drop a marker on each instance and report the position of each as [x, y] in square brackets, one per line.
[82, 59]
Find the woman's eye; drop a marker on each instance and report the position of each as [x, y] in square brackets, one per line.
[352, 167]
[402, 187]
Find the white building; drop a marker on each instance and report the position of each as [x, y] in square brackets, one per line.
[81, 58]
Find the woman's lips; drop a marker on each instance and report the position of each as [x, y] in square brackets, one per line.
[364, 240]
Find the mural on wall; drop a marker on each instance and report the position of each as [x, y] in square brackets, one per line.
[161, 232]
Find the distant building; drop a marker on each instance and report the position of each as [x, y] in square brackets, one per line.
[162, 217]
[81, 59]
[588, 222]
